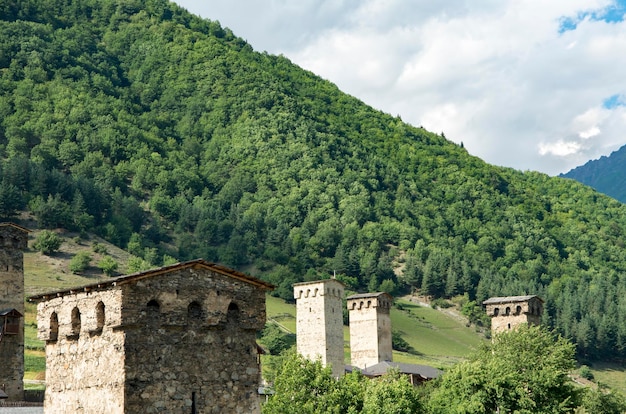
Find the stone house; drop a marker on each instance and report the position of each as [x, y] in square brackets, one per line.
[319, 322]
[178, 339]
[13, 242]
[509, 312]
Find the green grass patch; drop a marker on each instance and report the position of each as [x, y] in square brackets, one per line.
[434, 334]
[34, 361]
[611, 374]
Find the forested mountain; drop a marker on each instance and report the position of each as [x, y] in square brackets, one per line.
[167, 134]
[607, 174]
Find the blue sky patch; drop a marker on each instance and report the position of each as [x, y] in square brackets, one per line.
[614, 101]
[611, 14]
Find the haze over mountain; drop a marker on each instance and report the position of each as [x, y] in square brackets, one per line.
[606, 174]
[170, 136]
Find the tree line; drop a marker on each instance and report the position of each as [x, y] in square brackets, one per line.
[170, 136]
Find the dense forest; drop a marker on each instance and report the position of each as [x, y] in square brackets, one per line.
[169, 136]
[606, 174]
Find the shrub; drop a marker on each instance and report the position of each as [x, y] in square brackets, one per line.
[585, 372]
[47, 242]
[80, 262]
[440, 303]
[108, 265]
[99, 248]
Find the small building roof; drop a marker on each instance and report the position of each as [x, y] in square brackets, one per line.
[510, 299]
[423, 371]
[3, 394]
[194, 264]
[10, 312]
[17, 226]
[369, 295]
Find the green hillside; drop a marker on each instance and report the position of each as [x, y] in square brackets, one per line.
[170, 137]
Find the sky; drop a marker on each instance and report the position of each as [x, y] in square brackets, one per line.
[528, 84]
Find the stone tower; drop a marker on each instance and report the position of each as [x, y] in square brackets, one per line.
[511, 311]
[370, 329]
[13, 241]
[319, 322]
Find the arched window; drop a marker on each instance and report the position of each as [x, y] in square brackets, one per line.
[507, 311]
[100, 316]
[233, 312]
[76, 321]
[54, 327]
[153, 306]
[194, 310]
[496, 311]
[518, 310]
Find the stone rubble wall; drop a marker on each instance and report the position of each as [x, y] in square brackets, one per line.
[176, 360]
[84, 371]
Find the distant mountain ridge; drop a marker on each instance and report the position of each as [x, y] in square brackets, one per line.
[606, 174]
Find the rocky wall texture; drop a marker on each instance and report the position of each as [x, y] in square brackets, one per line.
[84, 355]
[191, 343]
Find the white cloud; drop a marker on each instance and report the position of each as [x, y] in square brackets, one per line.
[500, 75]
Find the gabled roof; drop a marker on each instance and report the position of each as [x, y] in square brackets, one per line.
[423, 371]
[9, 224]
[3, 394]
[14, 313]
[510, 299]
[116, 281]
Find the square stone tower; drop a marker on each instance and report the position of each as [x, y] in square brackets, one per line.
[370, 329]
[511, 311]
[319, 322]
[13, 241]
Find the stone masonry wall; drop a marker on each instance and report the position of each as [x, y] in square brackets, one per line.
[191, 343]
[319, 322]
[84, 364]
[12, 243]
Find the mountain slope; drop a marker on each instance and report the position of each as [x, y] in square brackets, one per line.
[166, 134]
[606, 174]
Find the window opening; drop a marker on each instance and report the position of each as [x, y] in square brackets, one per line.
[54, 327]
[100, 316]
[76, 321]
[233, 312]
[194, 310]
